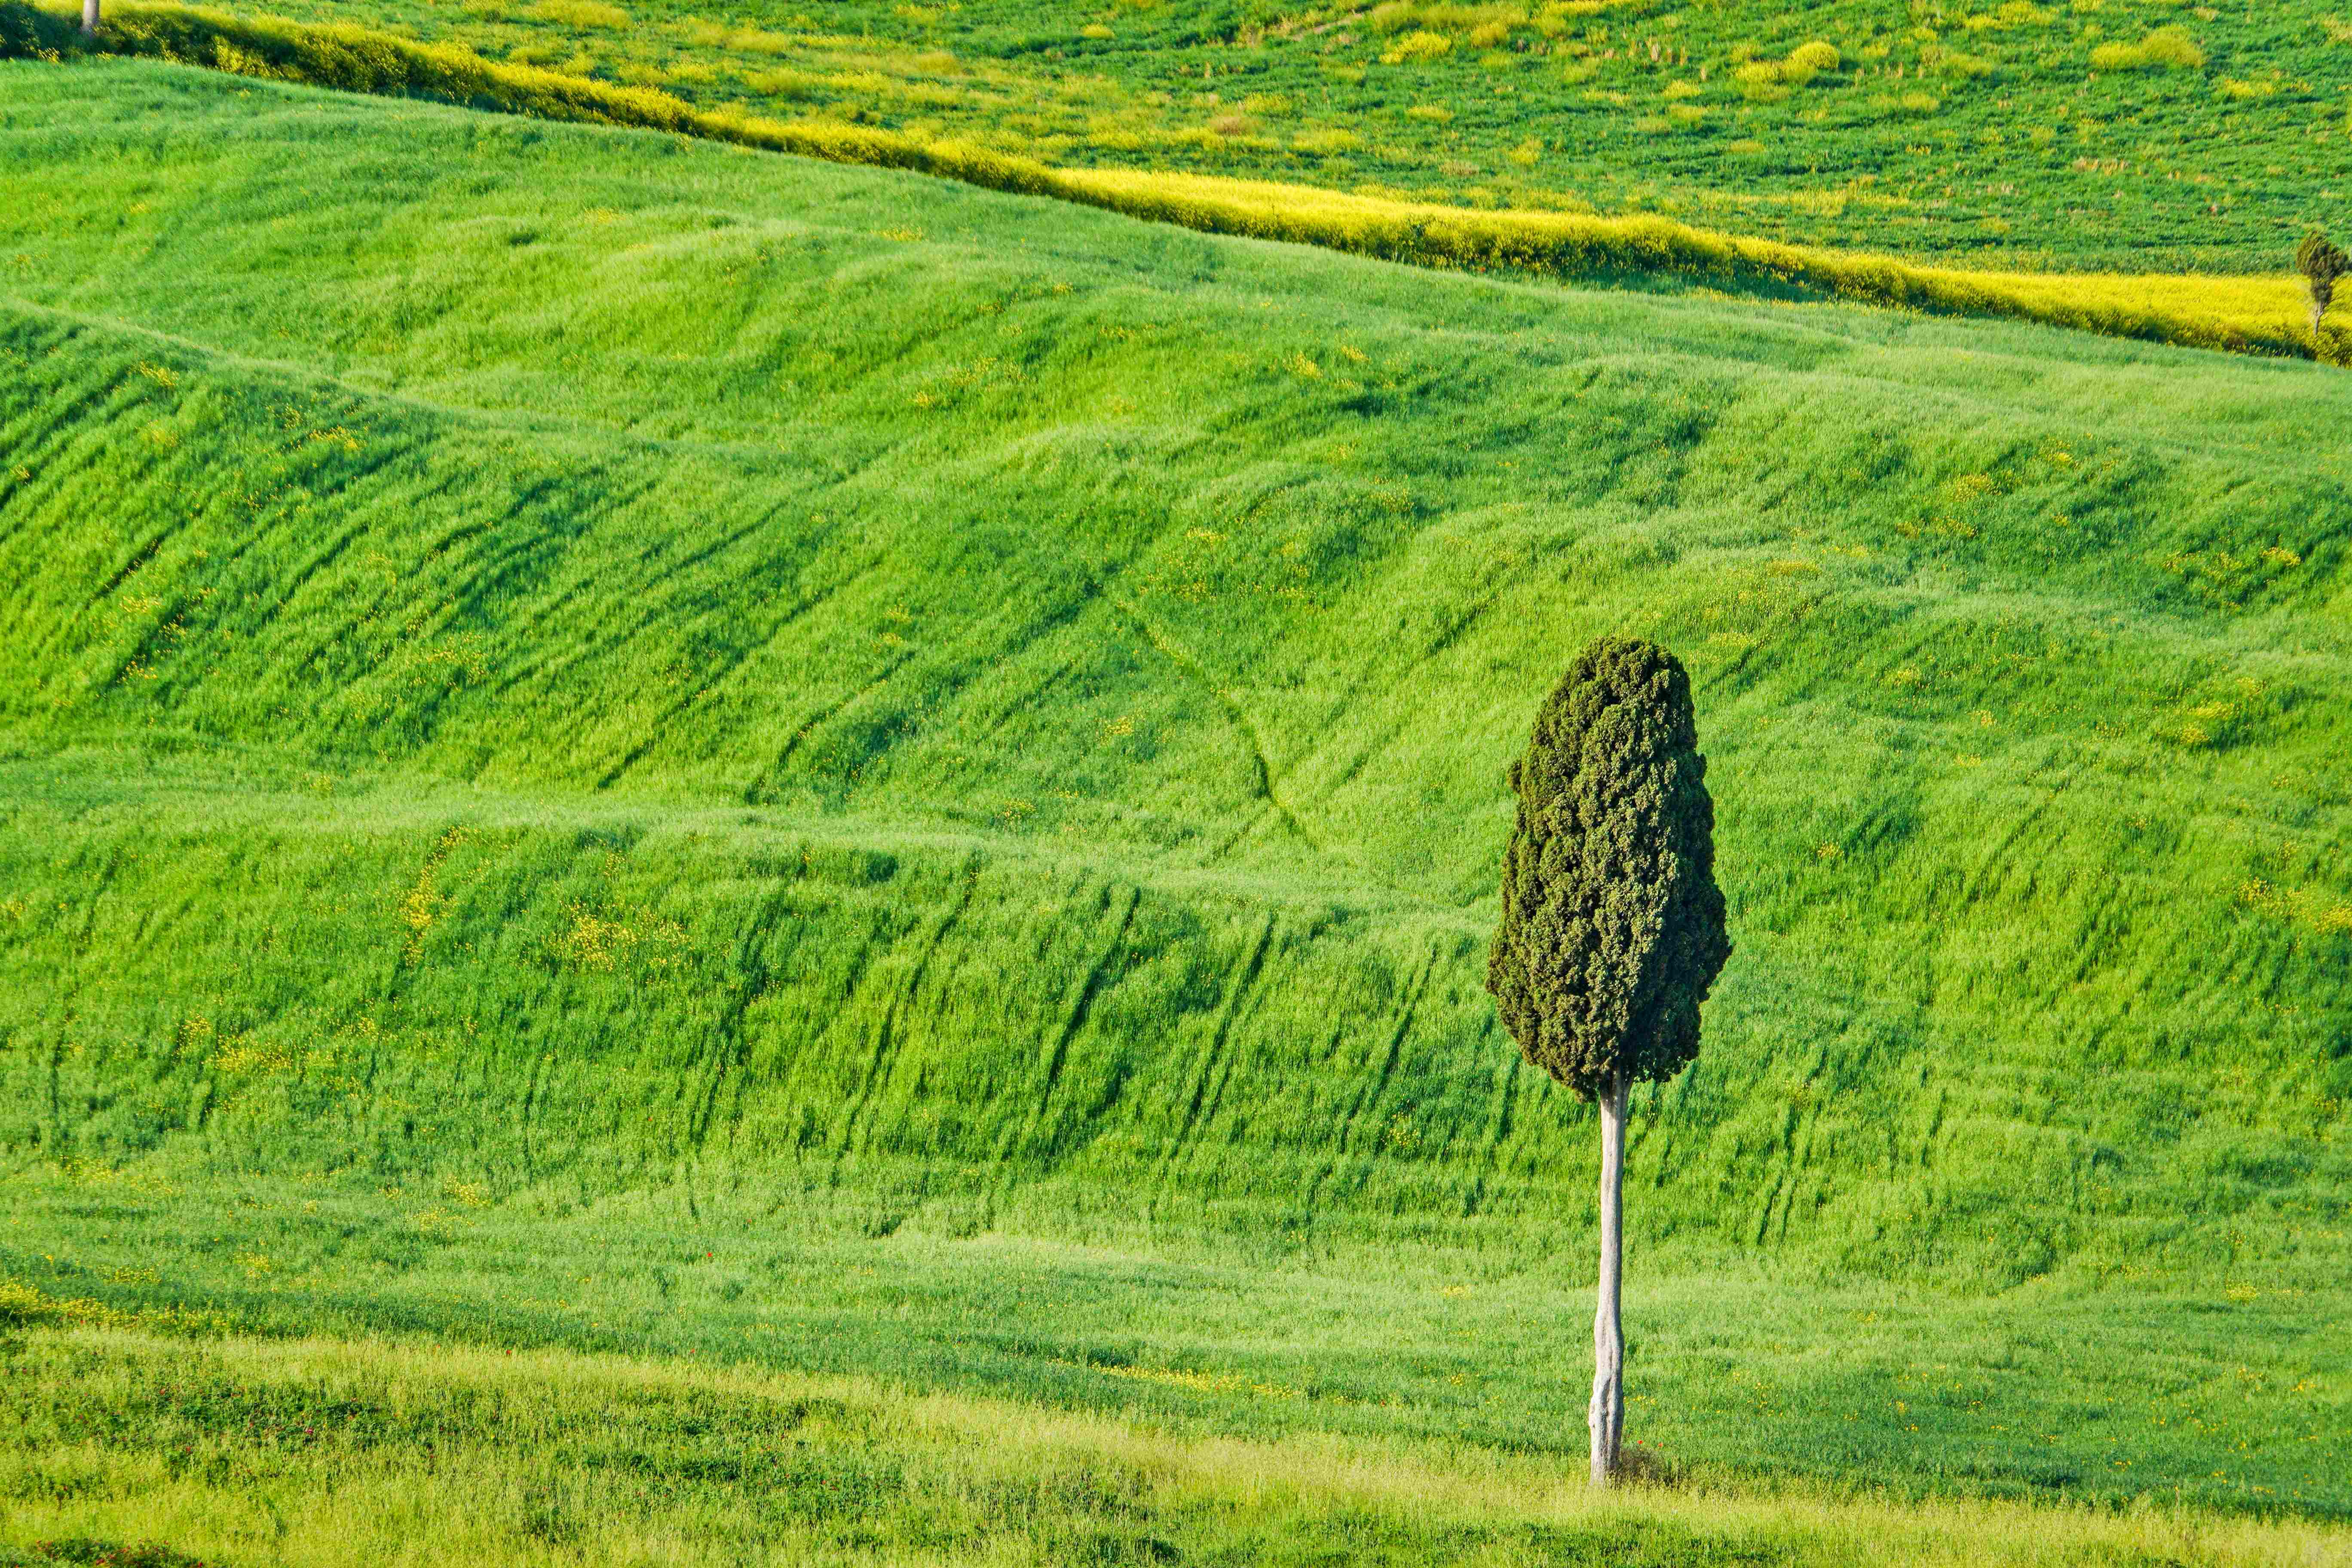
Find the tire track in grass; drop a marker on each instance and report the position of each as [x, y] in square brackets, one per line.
[875, 1068]
[729, 1047]
[826, 715]
[335, 631]
[1236, 716]
[73, 407]
[1074, 1020]
[1369, 1095]
[557, 540]
[1498, 1129]
[750, 650]
[104, 421]
[1212, 1055]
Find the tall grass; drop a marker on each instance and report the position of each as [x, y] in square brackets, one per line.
[334, 1453]
[2259, 314]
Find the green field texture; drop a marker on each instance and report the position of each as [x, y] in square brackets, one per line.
[2268, 312]
[650, 690]
[438, 1454]
[2013, 135]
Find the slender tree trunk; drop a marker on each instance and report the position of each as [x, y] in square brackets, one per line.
[90, 18]
[1607, 1416]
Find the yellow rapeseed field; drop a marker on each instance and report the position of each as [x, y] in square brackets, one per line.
[2245, 314]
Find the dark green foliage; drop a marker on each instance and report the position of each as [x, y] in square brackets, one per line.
[2321, 261]
[1613, 927]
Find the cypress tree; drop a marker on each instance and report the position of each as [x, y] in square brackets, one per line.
[2321, 261]
[1612, 928]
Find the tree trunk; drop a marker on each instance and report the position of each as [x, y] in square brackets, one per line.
[2323, 294]
[1607, 1416]
[90, 18]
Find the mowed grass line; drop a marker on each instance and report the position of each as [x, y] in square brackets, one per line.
[337, 1452]
[2250, 315]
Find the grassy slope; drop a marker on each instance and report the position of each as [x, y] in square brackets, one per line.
[598, 663]
[1979, 133]
[436, 1456]
[2265, 313]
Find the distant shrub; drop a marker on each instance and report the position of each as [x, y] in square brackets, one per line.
[1436, 114]
[2015, 14]
[1233, 125]
[1490, 35]
[1474, 20]
[2322, 262]
[2166, 48]
[1922, 102]
[1766, 80]
[1816, 57]
[580, 14]
[755, 40]
[1096, 31]
[1392, 16]
[1417, 46]
[2172, 47]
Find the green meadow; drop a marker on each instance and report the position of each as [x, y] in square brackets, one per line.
[871, 809]
[2132, 135]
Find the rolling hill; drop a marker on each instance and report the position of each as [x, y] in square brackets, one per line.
[598, 681]
[2117, 134]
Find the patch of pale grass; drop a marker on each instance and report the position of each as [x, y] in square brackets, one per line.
[457, 1507]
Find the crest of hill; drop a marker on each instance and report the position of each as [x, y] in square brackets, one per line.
[2010, 137]
[587, 661]
[2262, 313]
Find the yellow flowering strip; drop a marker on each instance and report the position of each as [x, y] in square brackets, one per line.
[26, 1306]
[2250, 315]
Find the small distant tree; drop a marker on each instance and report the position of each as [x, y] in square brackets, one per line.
[1612, 929]
[2321, 261]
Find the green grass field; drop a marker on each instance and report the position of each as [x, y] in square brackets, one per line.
[619, 746]
[2013, 135]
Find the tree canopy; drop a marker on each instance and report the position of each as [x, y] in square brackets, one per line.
[1612, 929]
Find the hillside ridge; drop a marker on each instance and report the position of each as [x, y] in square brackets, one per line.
[854, 624]
[2260, 315]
